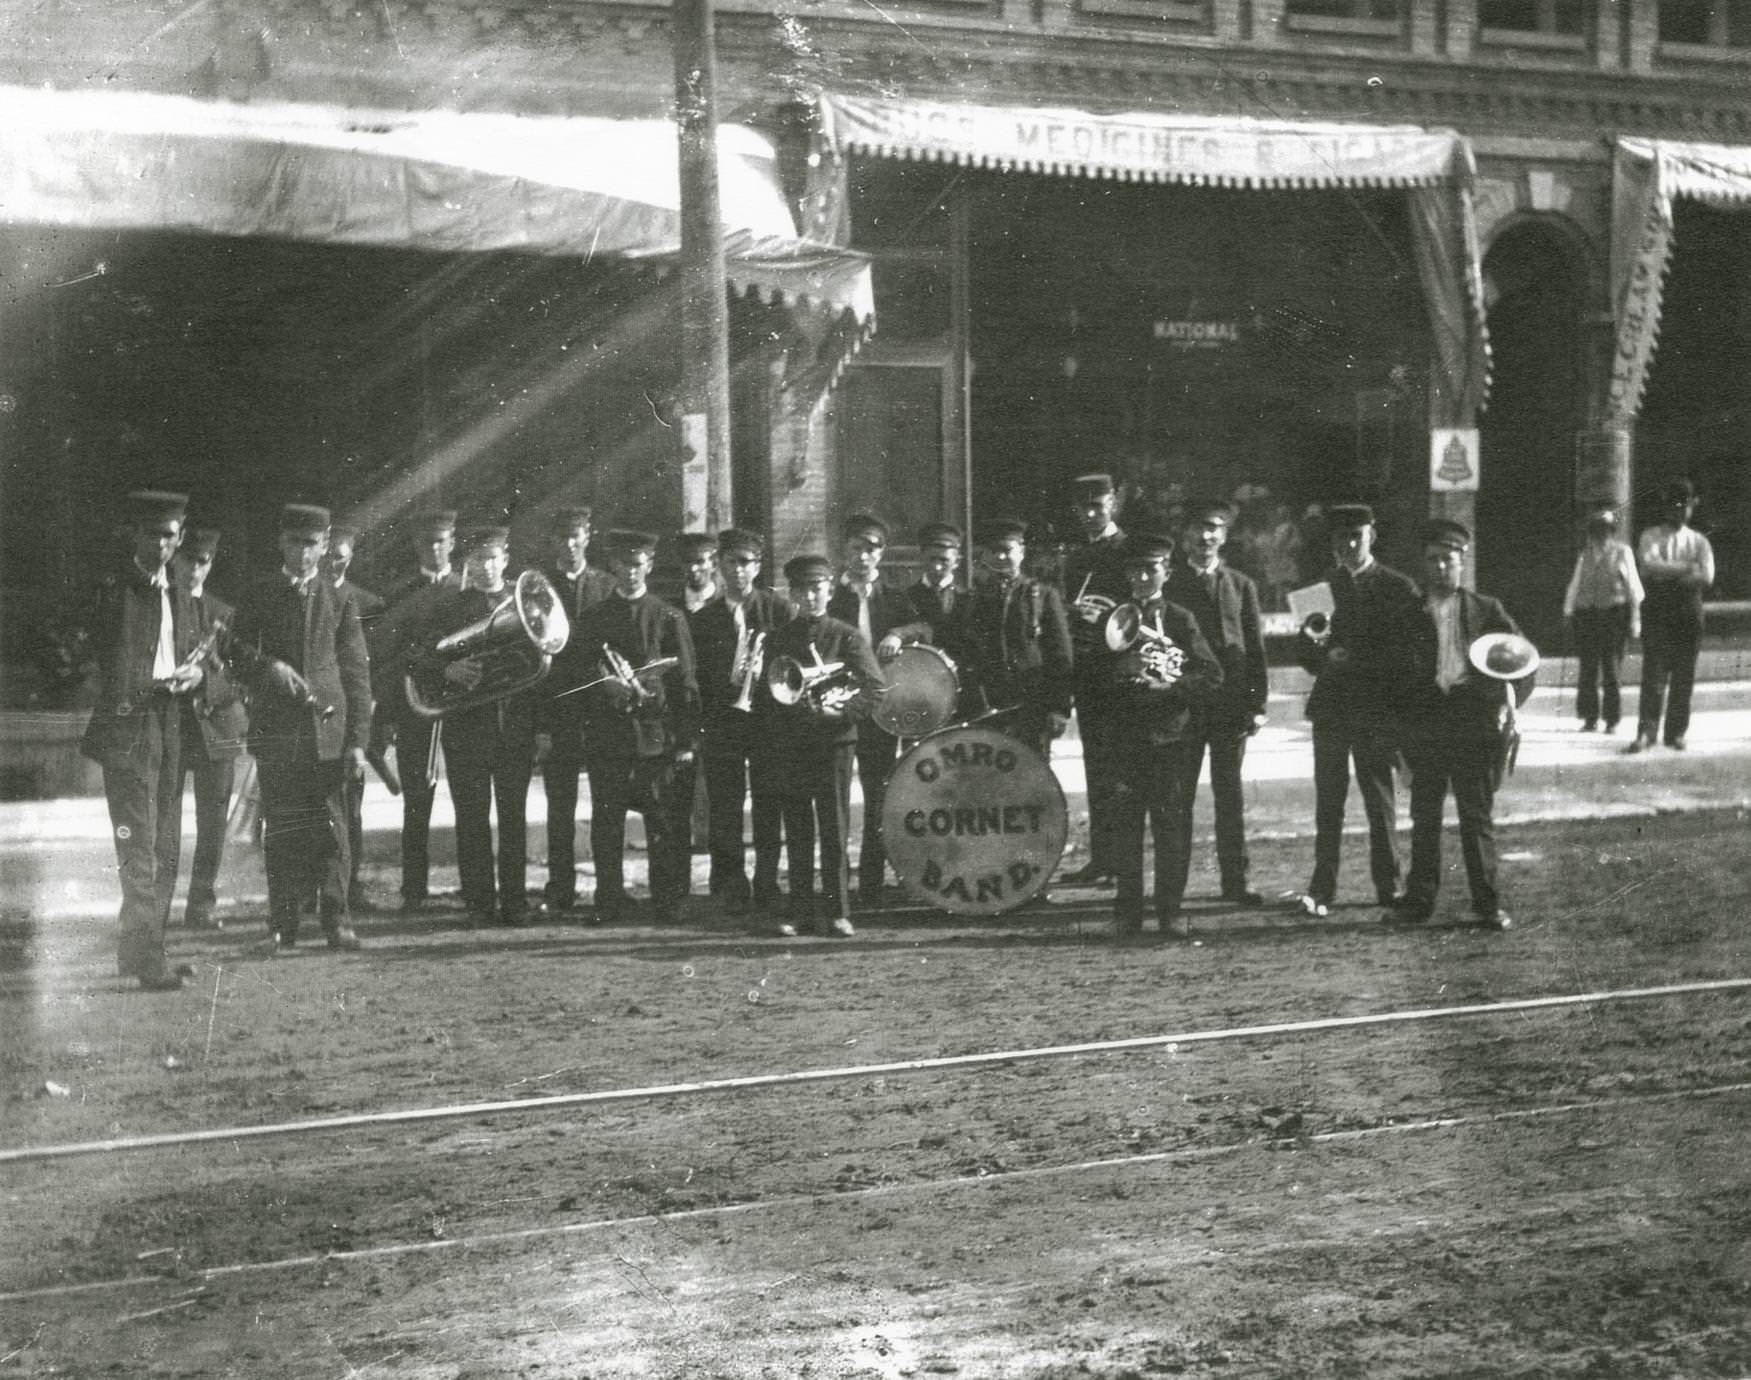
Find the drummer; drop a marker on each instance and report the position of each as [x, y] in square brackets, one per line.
[1017, 639]
[938, 605]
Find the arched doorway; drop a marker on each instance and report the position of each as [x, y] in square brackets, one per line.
[1526, 540]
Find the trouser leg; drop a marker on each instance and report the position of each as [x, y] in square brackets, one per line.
[797, 803]
[767, 810]
[510, 782]
[1170, 809]
[214, 781]
[1683, 684]
[1588, 646]
[413, 750]
[1331, 788]
[1227, 755]
[470, 778]
[1428, 801]
[1474, 799]
[136, 797]
[610, 798]
[1656, 669]
[353, 797]
[559, 784]
[1128, 814]
[726, 791]
[1374, 781]
[1612, 641]
[876, 753]
[832, 815]
[668, 850]
[331, 858]
[1103, 758]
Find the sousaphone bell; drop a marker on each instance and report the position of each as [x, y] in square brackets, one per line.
[511, 648]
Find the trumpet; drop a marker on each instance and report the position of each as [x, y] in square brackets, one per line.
[1163, 659]
[750, 656]
[1316, 628]
[826, 687]
[197, 654]
[623, 672]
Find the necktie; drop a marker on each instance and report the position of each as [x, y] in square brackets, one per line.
[164, 654]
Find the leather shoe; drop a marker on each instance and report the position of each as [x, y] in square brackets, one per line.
[344, 938]
[1589, 725]
[1089, 874]
[1641, 744]
[842, 927]
[1405, 911]
[1676, 744]
[550, 909]
[1240, 896]
[1173, 925]
[1314, 907]
[164, 979]
[1500, 920]
[202, 920]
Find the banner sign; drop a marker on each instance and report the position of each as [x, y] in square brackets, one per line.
[1235, 152]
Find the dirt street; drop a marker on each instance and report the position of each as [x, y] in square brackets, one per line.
[1558, 1190]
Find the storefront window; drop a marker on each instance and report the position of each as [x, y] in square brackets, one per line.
[1390, 10]
[1715, 25]
[1551, 18]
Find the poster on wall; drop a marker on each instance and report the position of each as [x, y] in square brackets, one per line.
[1453, 459]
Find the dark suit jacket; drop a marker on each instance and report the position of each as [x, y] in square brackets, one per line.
[1019, 647]
[574, 663]
[714, 645]
[326, 643]
[1373, 620]
[1157, 714]
[410, 610]
[834, 641]
[641, 630]
[1472, 708]
[1230, 624]
[888, 609]
[929, 620]
[125, 610]
[218, 703]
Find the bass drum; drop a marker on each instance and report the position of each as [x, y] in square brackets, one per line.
[974, 822]
[923, 690]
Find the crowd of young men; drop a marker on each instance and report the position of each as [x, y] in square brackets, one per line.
[766, 700]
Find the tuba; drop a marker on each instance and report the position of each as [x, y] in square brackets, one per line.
[823, 686]
[508, 650]
[1164, 659]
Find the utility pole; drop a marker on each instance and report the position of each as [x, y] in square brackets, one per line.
[705, 332]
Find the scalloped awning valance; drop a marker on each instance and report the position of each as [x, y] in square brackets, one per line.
[431, 179]
[1648, 174]
[1144, 147]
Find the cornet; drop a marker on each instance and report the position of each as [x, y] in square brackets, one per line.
[197, 654]
[750, 656]
[625, 673]
[826, 686]
[1164, 659]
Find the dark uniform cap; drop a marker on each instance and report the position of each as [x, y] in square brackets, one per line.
[627, 541]
[696, 544]
[305, 520]
[940, 534]
[1456, 536]
[802, 570]
[1088, 487]
[1347, 517]
[864, 525]
[1143, 547]
[1210, 510]
[570, 519]
[1001, 529]
[157, 505]
[1679, 491]
[739, 541]
[201, 543]
[440, 522]
[485, 535]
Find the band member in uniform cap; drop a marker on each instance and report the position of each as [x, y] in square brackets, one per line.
[1226, 605]
[1018, 638]
[299, 642]
[867, 604]
[937, 607]
[1453, 730]
[1678, 566]
[409, 607]
[732, 638]
[343, 540]
[637, 727]
[1094, 581]
[214, 726]
[812, 743]
[1361, 669]
[1157, 686]
[559, 716]
[143, 629]
[489, 747]
[699, 591]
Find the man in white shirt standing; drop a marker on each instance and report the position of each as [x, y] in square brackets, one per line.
[1678, 566]
[1603, 607]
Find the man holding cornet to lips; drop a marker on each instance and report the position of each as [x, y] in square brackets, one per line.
[1157, 682]
[640, 719]
[732, 638]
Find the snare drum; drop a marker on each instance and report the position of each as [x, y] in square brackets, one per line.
[923, 690]
[974, 821]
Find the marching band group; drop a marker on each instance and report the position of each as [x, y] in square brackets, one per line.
[769, 701]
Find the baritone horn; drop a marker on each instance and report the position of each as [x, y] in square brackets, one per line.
[1163, 658]
[825, 686]
[509, 650]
